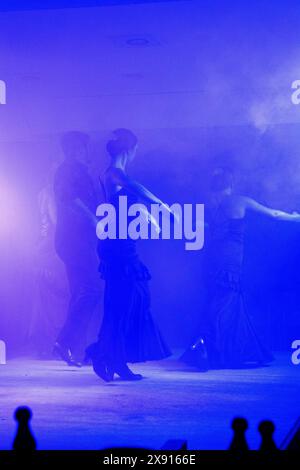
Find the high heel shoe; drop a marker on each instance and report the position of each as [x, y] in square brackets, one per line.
[196, 355]
[125, 373]
[66, 355]
[103, 370]
[100, 366]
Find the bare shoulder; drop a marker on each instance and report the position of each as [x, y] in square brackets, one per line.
[235, 206]
[114, 175]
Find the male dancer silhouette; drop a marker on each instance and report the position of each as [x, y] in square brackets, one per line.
[76, 241]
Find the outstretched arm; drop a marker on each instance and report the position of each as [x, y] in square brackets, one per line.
[119, 178]
[85, 211]
[251, 204]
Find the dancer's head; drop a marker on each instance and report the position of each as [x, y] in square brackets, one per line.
[222, 181]
[75, 144]
[123, 146]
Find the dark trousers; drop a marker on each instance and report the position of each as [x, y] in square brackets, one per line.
[85, 291]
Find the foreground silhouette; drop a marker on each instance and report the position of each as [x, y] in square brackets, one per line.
[239, 427]
[24, 440]
[266, 430]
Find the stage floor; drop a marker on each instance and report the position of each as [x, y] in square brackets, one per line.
[74, 409]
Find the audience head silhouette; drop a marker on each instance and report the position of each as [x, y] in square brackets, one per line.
[266, 430]
[239, 427]
[24, 439]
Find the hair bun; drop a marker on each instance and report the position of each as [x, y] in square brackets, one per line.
[222, 178]
[125, 141]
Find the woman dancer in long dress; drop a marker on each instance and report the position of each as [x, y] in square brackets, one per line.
[128, 333]
[231, 340]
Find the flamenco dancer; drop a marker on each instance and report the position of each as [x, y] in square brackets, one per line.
[128, 333]
[230, 339]
[76, 243]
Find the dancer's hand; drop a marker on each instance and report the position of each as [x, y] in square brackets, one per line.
[150, 219]
[174, 215]
[153, 221]
[296, 216]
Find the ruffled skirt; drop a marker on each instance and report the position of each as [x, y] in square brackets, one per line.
[232, 340]
[128, 332]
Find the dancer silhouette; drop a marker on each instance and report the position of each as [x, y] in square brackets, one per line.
[128, 332]
[230, 337]
[76, 242]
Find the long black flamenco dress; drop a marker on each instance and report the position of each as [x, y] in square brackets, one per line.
[128, 333]
[231, 340]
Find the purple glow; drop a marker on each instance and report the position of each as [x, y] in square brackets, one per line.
[202, 84]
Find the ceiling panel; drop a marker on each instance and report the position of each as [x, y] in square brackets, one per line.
[163, 64]
[19, 5]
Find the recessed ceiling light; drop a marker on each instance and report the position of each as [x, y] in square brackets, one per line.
[138, 42]
[135, 40]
